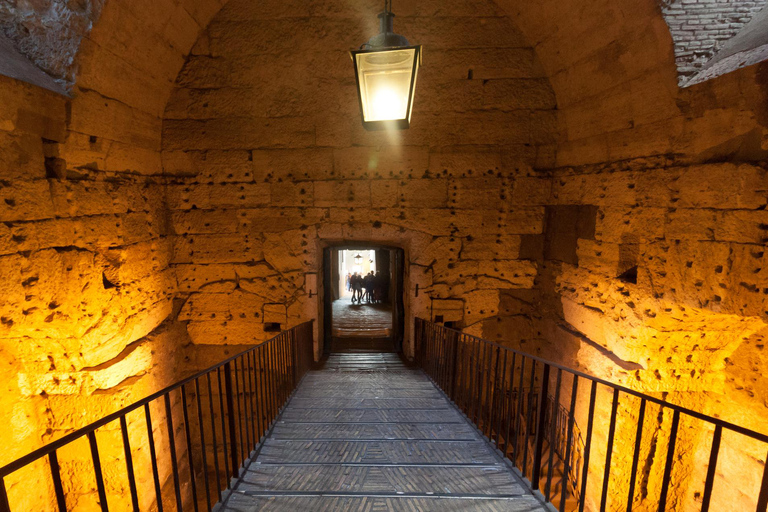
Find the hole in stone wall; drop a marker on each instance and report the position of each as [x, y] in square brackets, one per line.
[629, 276]
[438, 319]
[272, 327]
[106, 282]
[470, 74]
[55, 168]
[452, 324]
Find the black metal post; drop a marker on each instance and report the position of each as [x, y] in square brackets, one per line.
[234, 461]
[540, 428]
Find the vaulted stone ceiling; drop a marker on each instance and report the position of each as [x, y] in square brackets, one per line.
[611, 64]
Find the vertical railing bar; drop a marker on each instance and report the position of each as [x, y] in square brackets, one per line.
[489, 395]
[471, 376]
[553, 435]
[609, 449]
[243, 405]
[568, 442]
[476, 412]
[529, 417]
[247, 395]
[286, 367]
[485, 403]
[58, 488]
[224, 423]
[172, 450]
[538, 442]
[588, 446]
[263, 392]
[153, 458]
[234, 460]
[204, 448]
[670, 460]
[710, 481]
[454, 367]
[129, 463]
[188, 438]
[5, 506]
[254, 395]
[271, 380]
[518, 416]
[762, 499]
[464, 387]
[213, 438]
[97, 471]
[282, 366]
[243, 443]
[510, 403]
[436, 358]
[636, 456]
[500, 392]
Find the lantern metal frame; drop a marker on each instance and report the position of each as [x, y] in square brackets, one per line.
[387, 40]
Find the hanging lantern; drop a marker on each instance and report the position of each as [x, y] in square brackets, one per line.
[358, 259]
[385, 71]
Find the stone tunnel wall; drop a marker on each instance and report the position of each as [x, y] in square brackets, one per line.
[86, 285]
[664, 292]
[267, 162]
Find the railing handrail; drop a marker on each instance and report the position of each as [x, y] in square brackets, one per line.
[759, 436]
[44, 450]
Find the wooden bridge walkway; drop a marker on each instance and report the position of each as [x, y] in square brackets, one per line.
[368, 433]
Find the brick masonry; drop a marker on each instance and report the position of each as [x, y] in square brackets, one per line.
[699, 28]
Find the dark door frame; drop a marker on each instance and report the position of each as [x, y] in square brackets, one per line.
[397, 266]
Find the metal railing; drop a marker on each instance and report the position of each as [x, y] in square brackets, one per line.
[212, 421]
[496, 388]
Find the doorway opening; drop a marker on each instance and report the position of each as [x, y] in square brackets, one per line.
[363, 303]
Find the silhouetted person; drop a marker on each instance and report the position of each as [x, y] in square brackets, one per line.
[357, 287]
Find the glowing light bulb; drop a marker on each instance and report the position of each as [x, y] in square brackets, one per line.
[387, 105]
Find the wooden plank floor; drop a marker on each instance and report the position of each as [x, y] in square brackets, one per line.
[367, 433]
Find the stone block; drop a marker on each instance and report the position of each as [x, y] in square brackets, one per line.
[690, 224]
[384, 193]
[451, 310]
[531, 191]
[744, 226]
[353, 162]
[238, 133]
[489, 247]
[464, 161]
[346, 193]
[292, 194]
[485, 63]
[507, 274]
[221, 195]
[520, 221]
[722, 186]
[630, 225]
[195, 222]
[416, 193]
[274, 220]
[217, 249]
[26, 200]
[519, 94]
[481, 193]
[293, 164]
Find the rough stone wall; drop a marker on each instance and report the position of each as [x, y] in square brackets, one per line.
[699, 28]
[667, 296]
[84, 260]
[267, 162]
[49, 32]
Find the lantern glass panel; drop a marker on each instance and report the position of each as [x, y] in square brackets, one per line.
[385, 79]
